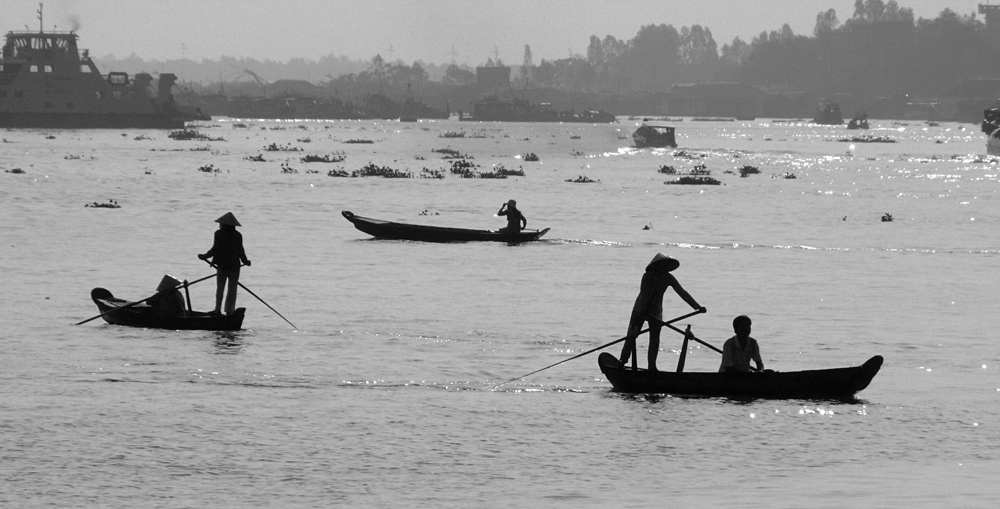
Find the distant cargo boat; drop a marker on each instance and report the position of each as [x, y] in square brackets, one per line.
[493, 109]
[991, 126]
[46, 82]
[651, 135]
[829, 115]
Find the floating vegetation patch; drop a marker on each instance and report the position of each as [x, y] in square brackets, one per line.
[582, 179]
[358, 140]
[576, 153]
[111, 204]
[451, 154]
[335, 158]
[239, 125]
[868, 139]
[669, 170]
[687, 155]
[887, 218]
[304, 140]
[285, 168]
[463, 168]
[428, 173]
[700, 169]
[15, 170]
[274, 147]
[574, 137]
[142, 137]
[694, 181]
[373, 170]
[191, 134]
[259, 158]
[502, 170]
[340, 172]
[452, 134]
[530, 157]
[748, 170]
[209, 168]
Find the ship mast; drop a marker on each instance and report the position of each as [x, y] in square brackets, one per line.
[41, 27]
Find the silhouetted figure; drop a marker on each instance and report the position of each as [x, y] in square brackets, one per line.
[649, 307]
[226, 254]
[515, 220]
[171, 301]
[740, 349]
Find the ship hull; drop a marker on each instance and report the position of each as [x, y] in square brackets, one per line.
[25, 120]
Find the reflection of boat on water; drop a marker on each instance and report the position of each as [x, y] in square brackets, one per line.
[991, 127]
[494, 109]
[652, 135]
[860, 121]
[829, 115]
[45, 81]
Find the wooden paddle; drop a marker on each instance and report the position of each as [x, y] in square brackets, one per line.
[130, 304]
[700, 341]
[619, 340]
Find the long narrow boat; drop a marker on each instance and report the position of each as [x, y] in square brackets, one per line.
[145, 315]
[838, 383]
[403, 231]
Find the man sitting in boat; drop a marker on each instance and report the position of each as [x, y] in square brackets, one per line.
[170, 302]
[740, 349]
[515, 220]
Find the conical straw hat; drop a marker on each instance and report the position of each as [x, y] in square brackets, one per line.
[661, 260]
[228, 218]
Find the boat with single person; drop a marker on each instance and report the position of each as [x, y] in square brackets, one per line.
[837, 383]
[47, 82]
[654, 135]
[152, 316]
[405, 231]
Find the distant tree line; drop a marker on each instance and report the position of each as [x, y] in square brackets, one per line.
[881, 49]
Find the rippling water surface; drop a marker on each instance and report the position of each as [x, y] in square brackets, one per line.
[383, 395]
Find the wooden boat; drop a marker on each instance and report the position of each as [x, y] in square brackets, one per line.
[403, 231]
[838, 383]
[653, 135]
[145, 315]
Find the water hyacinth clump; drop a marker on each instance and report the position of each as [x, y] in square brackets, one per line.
[694, 181]
[374, 170]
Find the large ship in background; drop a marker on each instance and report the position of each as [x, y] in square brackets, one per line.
[47, 82]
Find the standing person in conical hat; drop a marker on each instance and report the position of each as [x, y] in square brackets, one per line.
[226, 254]
[649, 307]
[515, 220]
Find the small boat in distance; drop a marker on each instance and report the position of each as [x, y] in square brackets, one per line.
[403, 231]
[147, 316]
[837, 384]
[654, 135]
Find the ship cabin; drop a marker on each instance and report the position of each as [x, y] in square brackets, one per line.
[46, 71]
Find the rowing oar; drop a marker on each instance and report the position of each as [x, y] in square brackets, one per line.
[258, 298]
[702, 342]
[130, 304]
[619, 340]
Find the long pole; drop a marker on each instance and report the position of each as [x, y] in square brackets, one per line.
[619, 340]
[130, 304]
[266, 304]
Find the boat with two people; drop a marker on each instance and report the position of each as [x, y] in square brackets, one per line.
[746, 383]
[424, 233]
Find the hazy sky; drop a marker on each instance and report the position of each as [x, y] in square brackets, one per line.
[438, 31]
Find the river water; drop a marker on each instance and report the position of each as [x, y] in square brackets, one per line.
[383, 394]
